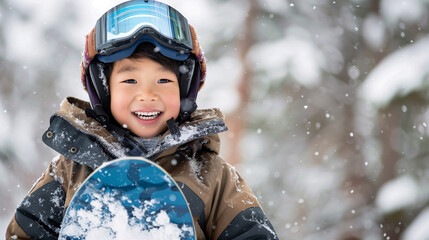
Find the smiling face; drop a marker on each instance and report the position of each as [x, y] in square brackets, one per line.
[144, 95]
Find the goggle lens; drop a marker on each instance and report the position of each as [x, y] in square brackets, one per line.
[121, 26]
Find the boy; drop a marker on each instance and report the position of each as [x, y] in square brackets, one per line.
[142, 68]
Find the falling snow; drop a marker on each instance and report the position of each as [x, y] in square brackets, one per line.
[357, 75]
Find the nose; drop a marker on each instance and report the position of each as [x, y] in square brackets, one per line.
[146, 94]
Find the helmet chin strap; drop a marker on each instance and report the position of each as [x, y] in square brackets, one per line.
[187, 105]
[97, 111]
[174, 129]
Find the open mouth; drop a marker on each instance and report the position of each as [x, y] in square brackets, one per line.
[147, 115]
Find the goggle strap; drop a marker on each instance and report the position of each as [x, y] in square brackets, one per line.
[195, 84]
[91, 43]
[94, 100]
[198, 52]
[195, 42]
[88, 54]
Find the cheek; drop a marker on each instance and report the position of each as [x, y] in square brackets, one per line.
[118, 105]
[177, 110]
[173, 104]
[116, 111]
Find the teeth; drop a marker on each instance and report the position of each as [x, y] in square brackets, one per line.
[147, 115]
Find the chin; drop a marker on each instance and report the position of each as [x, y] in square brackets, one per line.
[148, 134]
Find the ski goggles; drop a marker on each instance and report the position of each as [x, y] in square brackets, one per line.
[122, 28]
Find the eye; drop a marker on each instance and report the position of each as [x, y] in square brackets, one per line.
[131, 81]
[164, 80]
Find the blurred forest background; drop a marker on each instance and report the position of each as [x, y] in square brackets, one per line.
[326, 101]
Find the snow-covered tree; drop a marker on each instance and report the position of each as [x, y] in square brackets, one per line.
[326, 101]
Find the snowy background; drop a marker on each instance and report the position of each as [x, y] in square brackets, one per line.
[327, 102]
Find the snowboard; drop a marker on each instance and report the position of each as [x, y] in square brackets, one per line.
[128, 198]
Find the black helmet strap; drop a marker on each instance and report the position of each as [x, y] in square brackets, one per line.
[99, 79]
[186, 72]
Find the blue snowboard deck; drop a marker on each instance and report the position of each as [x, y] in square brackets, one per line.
[128, 198]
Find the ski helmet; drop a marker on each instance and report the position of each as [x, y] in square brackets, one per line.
[117, 34]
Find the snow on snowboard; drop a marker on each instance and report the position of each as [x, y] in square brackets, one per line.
[128, 198]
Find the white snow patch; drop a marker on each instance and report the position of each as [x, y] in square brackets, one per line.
[374, 31]
[274, 6]
[397, 194]
[227, 72]
[295, 54]
[103, 77]
[418, 230]
[53, 174]
[114, 148]
[195, 167]
[80, 122]
[400, 73]
[261, 223]
[187, 133]
[96, 224]
[409, 11]
[56, 198]
[56, 158]
[235, 177]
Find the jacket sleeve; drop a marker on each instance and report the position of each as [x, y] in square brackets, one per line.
[236, 213]
[40, 214]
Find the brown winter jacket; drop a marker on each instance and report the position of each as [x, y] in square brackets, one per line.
[222, 205]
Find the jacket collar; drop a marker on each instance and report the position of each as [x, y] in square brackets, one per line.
[85, 141]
